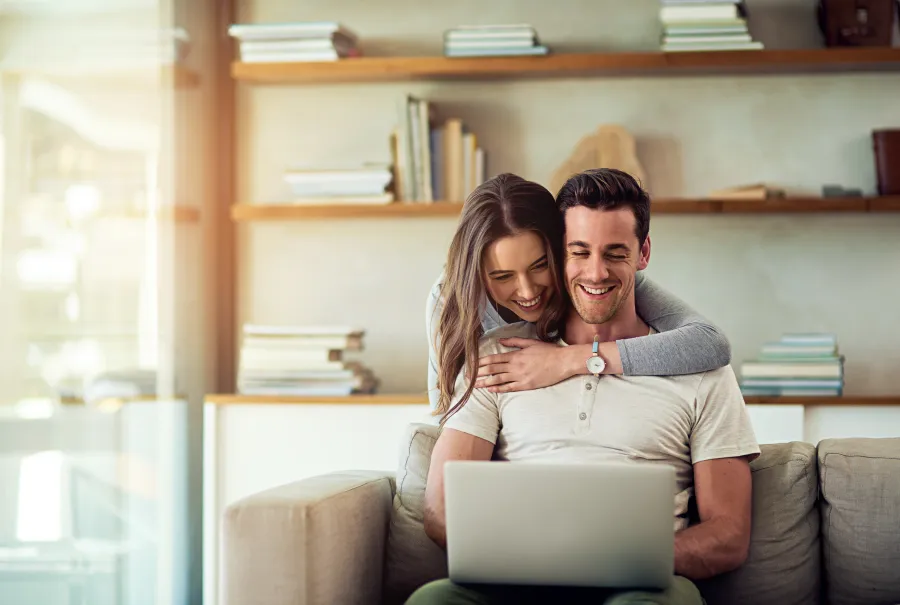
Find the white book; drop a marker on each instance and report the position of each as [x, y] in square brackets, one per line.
[497, 52]
[487, 30]
[279, 46]
[479, 166]
[696, 12]
[415, 127]
[281, 330]
[315, 56]
[381, 176]
[790, 369]
[468, 163]
[669, 48]
[287, 31]
[347, 200]
[490, 43]
[704, 39]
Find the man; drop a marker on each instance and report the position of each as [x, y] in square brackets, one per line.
[695, 423]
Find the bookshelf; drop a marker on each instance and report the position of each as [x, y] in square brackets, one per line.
[286, 212]
[423, 400]
[398, 69]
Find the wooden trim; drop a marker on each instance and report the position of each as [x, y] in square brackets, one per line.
[224, 246]
[423, 400]
[350, 400]
[284, 212]
[395, 69]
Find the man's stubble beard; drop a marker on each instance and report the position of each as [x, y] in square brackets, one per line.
[589, 317]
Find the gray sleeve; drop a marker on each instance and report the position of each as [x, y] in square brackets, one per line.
[433, 307]
[687, 342]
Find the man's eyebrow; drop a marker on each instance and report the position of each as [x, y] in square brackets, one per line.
[616, 246]
[577, 244]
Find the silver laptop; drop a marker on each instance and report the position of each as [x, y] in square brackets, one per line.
[603, 525]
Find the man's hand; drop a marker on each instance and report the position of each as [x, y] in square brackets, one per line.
[451, 445]
[719, 543]
[536, 365]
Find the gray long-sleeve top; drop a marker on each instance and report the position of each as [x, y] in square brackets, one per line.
[687, 343]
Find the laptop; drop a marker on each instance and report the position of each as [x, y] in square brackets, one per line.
[605, 525]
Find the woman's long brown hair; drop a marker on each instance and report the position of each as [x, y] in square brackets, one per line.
[503, 206]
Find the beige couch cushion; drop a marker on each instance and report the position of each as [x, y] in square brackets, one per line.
[783, 566]
[411, 558]
[860, 480]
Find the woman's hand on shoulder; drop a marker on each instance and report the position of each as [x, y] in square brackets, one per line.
[535, 365]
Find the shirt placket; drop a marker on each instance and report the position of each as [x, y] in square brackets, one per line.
[585, 408]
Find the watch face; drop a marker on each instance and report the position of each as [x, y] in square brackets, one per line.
[596, 365]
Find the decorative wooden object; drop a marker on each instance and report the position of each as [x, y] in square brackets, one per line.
[610, 146]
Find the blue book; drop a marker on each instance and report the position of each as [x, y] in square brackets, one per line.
[437, 164]
[793, 383]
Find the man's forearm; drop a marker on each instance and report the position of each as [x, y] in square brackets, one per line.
[708, 549]
[435, 528]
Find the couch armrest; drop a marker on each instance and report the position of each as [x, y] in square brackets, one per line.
[319, 541]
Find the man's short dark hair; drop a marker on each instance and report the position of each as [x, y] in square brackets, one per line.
[608, 189]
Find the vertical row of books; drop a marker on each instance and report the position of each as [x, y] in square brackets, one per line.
[302, 361]
[798, 365]
[312, 41]
[698, 25]
[492, 41]
[434, 160]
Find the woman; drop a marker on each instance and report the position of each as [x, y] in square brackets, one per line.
[514, 224]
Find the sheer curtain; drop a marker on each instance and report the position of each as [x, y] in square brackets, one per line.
[100, 255]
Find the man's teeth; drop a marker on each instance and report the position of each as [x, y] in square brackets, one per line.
[596, 290]
[528, 303]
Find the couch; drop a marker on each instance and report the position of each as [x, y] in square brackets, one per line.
[826, 530]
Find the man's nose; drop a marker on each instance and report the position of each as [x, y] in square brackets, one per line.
[597, 271]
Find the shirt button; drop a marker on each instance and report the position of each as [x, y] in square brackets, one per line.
[587, 386]
[582, 416]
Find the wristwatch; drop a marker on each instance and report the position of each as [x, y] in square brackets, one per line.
[595, 363]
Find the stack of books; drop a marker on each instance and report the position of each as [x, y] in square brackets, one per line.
[698, 25]
[492, 41]
[367, 184]
[302, 361]
[798, 365]
[434, 160]
[294, 42]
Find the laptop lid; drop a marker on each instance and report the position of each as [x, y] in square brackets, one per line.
[604, 525]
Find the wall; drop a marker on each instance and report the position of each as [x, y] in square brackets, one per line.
[755, 276]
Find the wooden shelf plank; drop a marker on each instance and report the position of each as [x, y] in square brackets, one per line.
[295, 400]
[423, 400]
[283, 212]
[252, 212]
[396, 69]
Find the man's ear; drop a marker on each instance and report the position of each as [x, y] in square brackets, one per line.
[644, 259]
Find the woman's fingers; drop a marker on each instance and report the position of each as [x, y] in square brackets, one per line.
[509, 387]
[491, 359]
[497, 368]
[491, 381]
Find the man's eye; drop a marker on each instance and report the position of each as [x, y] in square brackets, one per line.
[617, 257]
[579, 254]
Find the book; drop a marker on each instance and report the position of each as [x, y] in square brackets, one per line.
[787, 392]
[290, 46]
[712, 46]
[780, 350]
[290, 31]
[344, 200]
[797, 383]
[701, 39]
[792, 369]
[809, 339]
[496, 52]
[453, 160]
[699, 12]
[756, 191]
[477, 43]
